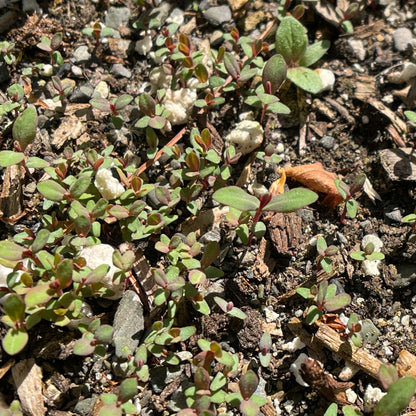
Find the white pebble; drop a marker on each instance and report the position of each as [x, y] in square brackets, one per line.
[372, 396]
[295, 367]
[144, 46]
[246, 136]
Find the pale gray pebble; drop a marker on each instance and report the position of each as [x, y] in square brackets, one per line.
[358, 49]
[82, 94]
[84, 407]
[117, 16]
[218, 15]
[120, 71]
[306, 215]
[402, 37]
[31, 6]
[76, 71]
[160, 377]
[369, 331]
[81, 55]
[393, 213]
[327, 142]
[128, 323]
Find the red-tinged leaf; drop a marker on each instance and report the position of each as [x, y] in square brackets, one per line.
[123, 101]
[337, 302]
[24, 127]
[274, 74]
[201, 73]
[119, 212]
[203, 359]
[202, 379]
[147, 104]
[56, 40]
[231, 65]
[39, 295]
[192, 161]
[160, 277]
[162, 195]
[237, 198]
[211, 253]
[248, 384]
[10, 252]
[316, 178]
[101, 104]
[64, 273]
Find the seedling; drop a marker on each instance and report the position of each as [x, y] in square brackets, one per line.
[229, 308]
[51, 46]
[324, 254]
[265, 346]
[98, 31]
[118, 404]
[347, 193]
[367, 254]
[292, 45]
[248, 208]
[114, 107]
[324, 299]
[63, 91]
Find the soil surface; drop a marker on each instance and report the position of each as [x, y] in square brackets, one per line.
[357, 126]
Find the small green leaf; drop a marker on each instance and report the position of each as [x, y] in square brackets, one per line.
[79, 186]
[15, 340]
[9, 157]
[41, 239]
[231, 65]
[291, 40]
[237, 198]
[332, 410]
[249, 408]
[397, 398]
[358, 255]
[337, 302]
[123, 101]
[38, 295]
[305, 78]
[291, 201]
[387, 374]
[350, 411]
[36, 163]
[314, 53]
[411, 115]
[24, 127]
[313, 314]
[104, 334]
[83, 347]
[274, 73]
[10, 252]
[52, 190]
[14, 308]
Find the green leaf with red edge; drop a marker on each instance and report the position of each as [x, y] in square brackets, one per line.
[387, 375]
[237, 313]
[237, 198]
[119, 212]
[196, 277]
[231, 65]
[64, 273]
[15, 340]
[337, 302]
[201, 73]
[147, 104]
[249, 408]
[192, 161]
[101, 104]
[10, 252]
[248, 384]
[79, 186]
[52, 190]
[157, 122]
[274, 73]
[202, 379]
[39, 295]
[24, 127]
[162, 195]
[291, 200]
[9, 157]
[82, 225]
[123, 261]
[83, 347]
[321, 245]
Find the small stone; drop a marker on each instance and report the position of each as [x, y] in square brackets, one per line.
[280, 148]
[144, 46]
[252, 20]
[404, 75]
[327, 79]
[369, 331]
[237, 4]
[84, 407]
[82, 94]
[348, 372]
[117, 16]
[327, 142]
[101, 89]
[406, 275]
[351, 395]
[80, 55]
[370, 267]
[176, 16]
[31, 6]
[46, 70]
[357, 47]
[76, 71]
[399, 164]
[393, 213]
[295, 367]
[402, 37]
[120, 71]
[128, 323]
[218, 15]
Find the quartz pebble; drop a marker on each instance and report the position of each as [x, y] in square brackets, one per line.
[402, 37]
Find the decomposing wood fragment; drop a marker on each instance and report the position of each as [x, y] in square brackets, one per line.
[28, 380]
[340, 109]
[324, 383]
[406, 364]
[397, 122]
[332, 340]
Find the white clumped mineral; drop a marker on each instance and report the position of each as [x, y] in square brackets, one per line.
[295, 367]
[246, 136]
[108, 186]
[372, 396]
[179, 103]
[144, 46]
[103, 254]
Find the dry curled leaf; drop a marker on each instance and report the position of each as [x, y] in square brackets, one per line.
[316, 178]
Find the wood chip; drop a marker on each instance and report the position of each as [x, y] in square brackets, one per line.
[28, 380]
[406, 364]
[360, 357]
[364, 87]
[11, 198]
[70, 128]
[400, 164]
[6, 367]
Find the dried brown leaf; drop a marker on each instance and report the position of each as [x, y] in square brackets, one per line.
[316, 178]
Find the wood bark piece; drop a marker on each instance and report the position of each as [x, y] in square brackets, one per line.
[12, 194]
[406, 364]
[360, 357]
[28, 381]
[397, 122]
